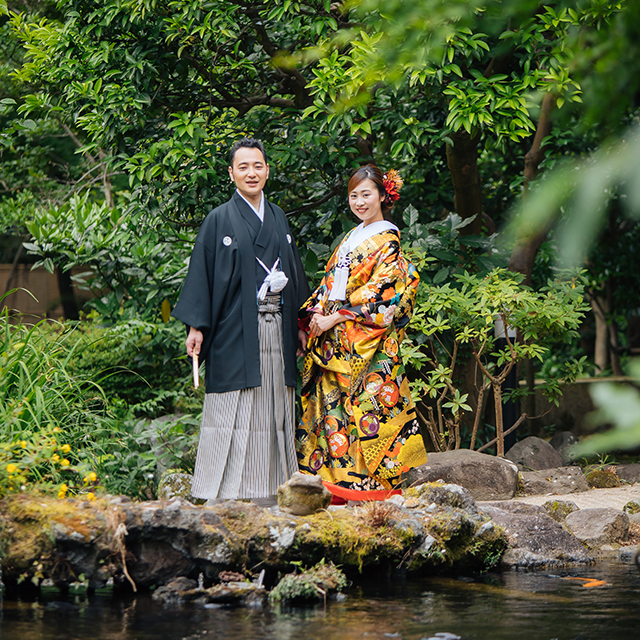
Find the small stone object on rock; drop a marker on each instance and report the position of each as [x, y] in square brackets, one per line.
[559, 509]
[632, 509]
[598, 527]
[534, 454]
[603, 478]
[562, 442]
[555, 481]
[485, 477]
[230, 576]
[176, 483]
[303, 494]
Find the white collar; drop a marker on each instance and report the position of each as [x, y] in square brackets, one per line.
[260, 210]
[362, 233]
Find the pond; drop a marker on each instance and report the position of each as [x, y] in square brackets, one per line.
[538, 605]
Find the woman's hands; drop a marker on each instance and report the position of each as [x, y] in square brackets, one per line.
[321, 323]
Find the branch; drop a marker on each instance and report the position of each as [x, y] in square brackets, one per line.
[476, 420]
[517, 423]
[432, 430]
[334, 191]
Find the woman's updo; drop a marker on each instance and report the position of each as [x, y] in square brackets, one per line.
[376, 176]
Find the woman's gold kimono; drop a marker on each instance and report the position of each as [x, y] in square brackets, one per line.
[359, 430]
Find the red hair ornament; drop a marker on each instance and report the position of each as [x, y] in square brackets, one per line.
[392, 184]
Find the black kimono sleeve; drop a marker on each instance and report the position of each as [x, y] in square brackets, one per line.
[194, 307]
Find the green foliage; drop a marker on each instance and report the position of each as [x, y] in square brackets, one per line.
[42, 407]
[60, 432]
[124, 256]
[139, 365]
[619, 405]
[451, 317]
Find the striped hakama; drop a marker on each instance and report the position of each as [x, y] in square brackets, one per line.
[247, 447]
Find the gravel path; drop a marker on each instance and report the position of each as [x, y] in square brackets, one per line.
[594, 498]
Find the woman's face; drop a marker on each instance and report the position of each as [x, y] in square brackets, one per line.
[366, 202]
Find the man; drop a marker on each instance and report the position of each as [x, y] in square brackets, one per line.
[240, 301]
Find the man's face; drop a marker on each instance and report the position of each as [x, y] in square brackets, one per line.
[249, 172]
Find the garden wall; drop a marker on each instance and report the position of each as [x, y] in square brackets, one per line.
[42, 284]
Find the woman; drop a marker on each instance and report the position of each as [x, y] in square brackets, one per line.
[358, 429]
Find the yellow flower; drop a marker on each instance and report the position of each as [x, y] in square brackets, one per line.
[66, 448]
[64, 462]
[23, 444]
[92, 477]
[56, 429]
[11, 468]
[55, 457]
[91, 496]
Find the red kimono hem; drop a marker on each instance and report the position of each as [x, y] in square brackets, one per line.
[341, 495]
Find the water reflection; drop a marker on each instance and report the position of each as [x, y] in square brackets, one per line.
[510, 606]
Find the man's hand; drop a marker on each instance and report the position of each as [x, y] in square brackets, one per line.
[194, 342]
[321, 323]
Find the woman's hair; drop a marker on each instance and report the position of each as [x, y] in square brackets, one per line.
[375, 175]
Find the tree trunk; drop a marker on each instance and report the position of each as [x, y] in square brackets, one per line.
[601, 347]
[524, 253]
[462, 160]
[67, 295]
[497, 394]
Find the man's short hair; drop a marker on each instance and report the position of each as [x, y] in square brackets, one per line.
[247, 143]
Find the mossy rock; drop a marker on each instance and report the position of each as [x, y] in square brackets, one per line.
[603, 479]
[559, 509]
[175, 482]
[632, 507]
[310, 585]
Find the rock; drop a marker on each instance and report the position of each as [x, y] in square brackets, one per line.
[535, 539]
[173, 593]
[303, 494]
[176, 483]
[157, 542]
[629, 473]
[246, 594]
[450, 495]
[559, 509]
[485, 477]
[602, 478]
[598, 527]
[310, 585]
[553, 481]
[562, 442]
[533, 454]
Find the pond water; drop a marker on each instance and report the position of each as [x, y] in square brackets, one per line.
[495, 606]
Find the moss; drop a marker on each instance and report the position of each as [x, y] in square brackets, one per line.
[27, 529]
[559, 509]
[348, 537]
[175, 482]
[603, 479]
[309, 585]
[632, 507]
